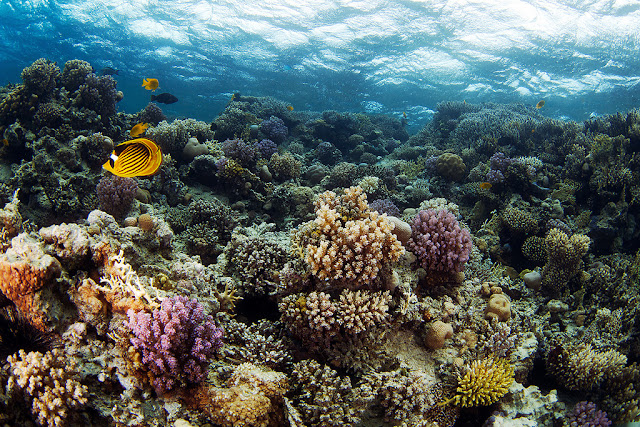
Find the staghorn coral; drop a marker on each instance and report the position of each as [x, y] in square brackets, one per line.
[326, 399]
[439, 242]
[176, 341]
[564, 258]
[484, 382]
[580, 367]
[347, 244]
[49, 381]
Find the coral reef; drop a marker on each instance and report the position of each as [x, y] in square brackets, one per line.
[336, 311]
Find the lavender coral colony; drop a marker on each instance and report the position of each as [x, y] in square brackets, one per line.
[176, 341]
[482, 271]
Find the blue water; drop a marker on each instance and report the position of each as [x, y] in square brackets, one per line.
[375, 56]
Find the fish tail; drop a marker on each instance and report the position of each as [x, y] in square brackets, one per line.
[153, 97]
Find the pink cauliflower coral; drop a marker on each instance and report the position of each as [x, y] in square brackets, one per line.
[439, 242]
[176, 342]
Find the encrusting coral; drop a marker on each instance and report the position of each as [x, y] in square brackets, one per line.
[24, 270]
[253, 396]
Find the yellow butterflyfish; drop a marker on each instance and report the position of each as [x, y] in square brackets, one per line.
[138, 157]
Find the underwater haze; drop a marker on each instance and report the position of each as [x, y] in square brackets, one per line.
[375, 56]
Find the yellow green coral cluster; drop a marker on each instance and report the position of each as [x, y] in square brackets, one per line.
[485, 382]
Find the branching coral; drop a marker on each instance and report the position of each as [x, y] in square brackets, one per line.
[49, 381]
[485, 382]
[347, 244]
[439, 242]
[176, 341]
[564, 258]
[326, 399]
[580, 367]
[317, 318]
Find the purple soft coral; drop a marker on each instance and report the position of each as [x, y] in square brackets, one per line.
[176, 342]
[586, 414]
[116, 194]
[439, 242]
[275, 129]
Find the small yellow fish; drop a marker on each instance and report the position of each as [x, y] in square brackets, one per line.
[138, 157]
[290, 107]
[485, 185]
[404, 114]
[150, 84]
[540, 104]
[138, 129]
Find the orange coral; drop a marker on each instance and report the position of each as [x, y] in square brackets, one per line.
[24, 270]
